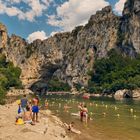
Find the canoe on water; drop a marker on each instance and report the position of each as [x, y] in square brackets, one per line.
[86, 96]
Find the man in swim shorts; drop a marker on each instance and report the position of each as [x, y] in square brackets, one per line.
[35, 109]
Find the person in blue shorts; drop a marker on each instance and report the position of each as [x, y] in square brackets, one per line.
[35, 109]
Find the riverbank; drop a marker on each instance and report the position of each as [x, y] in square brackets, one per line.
[49, 126]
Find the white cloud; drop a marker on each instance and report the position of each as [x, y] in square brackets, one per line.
[36, 35]
[75, 12]
[119, 6]
[36, 8]
[53, 33]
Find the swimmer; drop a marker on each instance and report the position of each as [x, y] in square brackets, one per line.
[66, 107]
[71, 128]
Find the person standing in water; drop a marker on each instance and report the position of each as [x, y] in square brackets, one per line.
[35, 109]
[85, 113]
[80, 106]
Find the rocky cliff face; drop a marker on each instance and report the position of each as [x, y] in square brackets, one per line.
[3, 36]
[70, 56]
[129, 33]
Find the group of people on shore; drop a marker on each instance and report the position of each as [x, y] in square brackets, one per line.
[27, 110]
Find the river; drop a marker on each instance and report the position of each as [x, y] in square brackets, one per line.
[111, 119]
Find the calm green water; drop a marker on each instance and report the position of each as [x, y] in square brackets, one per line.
[119, 123]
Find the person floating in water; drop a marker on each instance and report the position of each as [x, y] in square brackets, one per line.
[35, 109]
[70, 127]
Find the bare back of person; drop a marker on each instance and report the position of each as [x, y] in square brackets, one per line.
[35, 102]
[35, 109]
[28, 116]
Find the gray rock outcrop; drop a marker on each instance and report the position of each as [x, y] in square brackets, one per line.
[121, 94]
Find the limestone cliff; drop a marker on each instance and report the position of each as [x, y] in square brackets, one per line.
[129, 33]
[70, 56]
[3, 36]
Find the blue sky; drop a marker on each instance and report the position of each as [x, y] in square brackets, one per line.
[33, 19]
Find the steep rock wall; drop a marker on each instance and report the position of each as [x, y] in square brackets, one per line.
[70, 56]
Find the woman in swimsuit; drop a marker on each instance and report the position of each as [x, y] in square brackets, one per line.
[80, 106]
[85, 113]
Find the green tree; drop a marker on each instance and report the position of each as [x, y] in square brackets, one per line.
[115, 72]
[9, 77]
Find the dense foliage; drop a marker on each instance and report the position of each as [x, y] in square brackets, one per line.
[56, 85]
[9, 77]
[115, 72]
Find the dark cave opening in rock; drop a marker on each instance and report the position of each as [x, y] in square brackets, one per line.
[127, 95]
